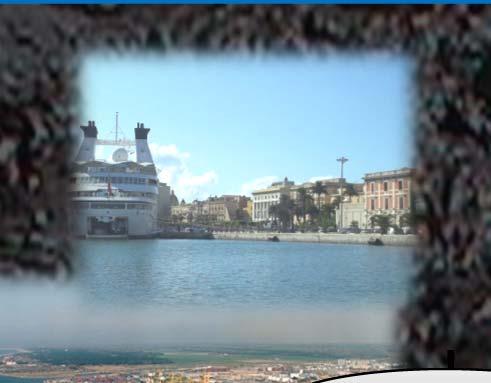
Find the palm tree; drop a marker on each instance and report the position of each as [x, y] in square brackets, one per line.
[273, 211]
[302, 194]
[297, 211]
[319, 189]
[285, 211]
[313, 211]
[350, 190]
[180, 221]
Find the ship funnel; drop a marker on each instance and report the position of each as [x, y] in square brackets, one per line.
[143, 154]
[87, 149]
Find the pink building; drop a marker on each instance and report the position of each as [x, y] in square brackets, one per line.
[388, 192]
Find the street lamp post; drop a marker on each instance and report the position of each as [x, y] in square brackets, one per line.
[342, 160]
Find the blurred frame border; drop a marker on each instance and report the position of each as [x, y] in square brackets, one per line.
[41, 50]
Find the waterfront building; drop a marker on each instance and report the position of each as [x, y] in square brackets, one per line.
[184, 212]
[265, 198]
[164, 203]
[174, 201]
[331, 189]
[353, 212]
[224, 208]
[248, 209]
[330, 193]
[243, 210]
[116, 199]
[388, 192]
[215, 209]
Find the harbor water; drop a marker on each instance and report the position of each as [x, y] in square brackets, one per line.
[193, 292]
[187, 273]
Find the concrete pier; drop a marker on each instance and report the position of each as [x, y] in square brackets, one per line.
[357, 239]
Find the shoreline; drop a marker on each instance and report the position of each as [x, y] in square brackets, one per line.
[334, 238]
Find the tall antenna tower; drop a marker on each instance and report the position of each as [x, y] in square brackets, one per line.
[116, 133]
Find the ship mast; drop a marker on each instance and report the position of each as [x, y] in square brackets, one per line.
[117, 142]
[116, 133]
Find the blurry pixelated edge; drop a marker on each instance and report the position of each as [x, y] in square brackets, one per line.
[41, 49]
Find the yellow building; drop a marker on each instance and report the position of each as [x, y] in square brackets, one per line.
[248, 208]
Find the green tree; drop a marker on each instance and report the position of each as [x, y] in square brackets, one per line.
[407, 219]
[349, 190]
[190, 218]
[286, 208]
[318, 190]
[383, 221]
[302, 202]
[274, 211]
[174, 218]
[313, 212]
[180, 220]
[297, 211]
[327, 216]
[335, 203]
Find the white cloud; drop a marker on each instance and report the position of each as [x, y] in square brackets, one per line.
[173, 169]
[320, 178]
[167, 152]
[258, 183]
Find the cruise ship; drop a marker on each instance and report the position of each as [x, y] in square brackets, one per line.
[114, 199]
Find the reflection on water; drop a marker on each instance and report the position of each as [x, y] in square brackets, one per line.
[157, 293]
[236, 273]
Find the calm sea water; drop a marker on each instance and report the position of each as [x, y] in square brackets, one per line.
[156, 293]
[185, 273]
[9, 379]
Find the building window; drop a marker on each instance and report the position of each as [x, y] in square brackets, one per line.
[372, 204]
[107, 205]
[386, 204]
[401, 203]
[399, 184]
[386, 186]
[372, 187]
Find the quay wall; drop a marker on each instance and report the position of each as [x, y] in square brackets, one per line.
[183, 235]
[360, 239]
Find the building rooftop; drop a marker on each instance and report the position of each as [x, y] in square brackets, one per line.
[327, 181]
[389, 173]
[275, 186]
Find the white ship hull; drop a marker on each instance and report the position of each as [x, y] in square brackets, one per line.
[114, 199]
[117, 223]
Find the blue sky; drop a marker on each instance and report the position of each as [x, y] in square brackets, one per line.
[227, 124]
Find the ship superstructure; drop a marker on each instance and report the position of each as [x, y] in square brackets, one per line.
[118, 198]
